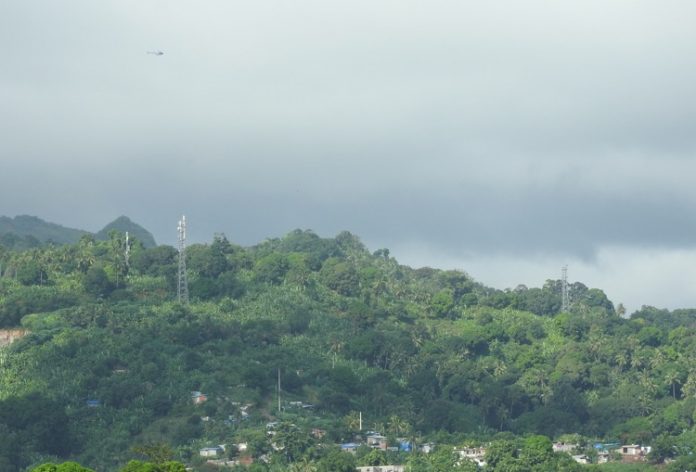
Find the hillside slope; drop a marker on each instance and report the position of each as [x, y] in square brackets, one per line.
[42, 231]
[112, 359]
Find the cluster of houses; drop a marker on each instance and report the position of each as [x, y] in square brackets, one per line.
[376, 440]
[627, 453]
[605, 451]
[215, 455]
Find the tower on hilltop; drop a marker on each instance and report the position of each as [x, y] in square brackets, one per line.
[565, 295]
[182, 285]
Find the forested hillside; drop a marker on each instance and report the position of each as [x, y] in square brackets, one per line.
[111, 358]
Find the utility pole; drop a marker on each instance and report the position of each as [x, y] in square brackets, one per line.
[126, 254]
[182, 285]
[565, 296]
[279, 390]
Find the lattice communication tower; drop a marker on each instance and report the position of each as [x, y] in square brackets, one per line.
[182, 286]
[565, 295]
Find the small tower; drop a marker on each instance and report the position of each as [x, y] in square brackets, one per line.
[565, 296]
[126, 252]
[182, 286]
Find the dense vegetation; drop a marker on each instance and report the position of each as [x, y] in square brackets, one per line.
[111, 359]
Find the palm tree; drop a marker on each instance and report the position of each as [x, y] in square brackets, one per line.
[335, 347]
[397, 425]
[303, 466]
[352, 421]
[689, 389]
[673, 379]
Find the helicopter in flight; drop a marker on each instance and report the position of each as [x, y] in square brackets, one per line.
[156, 53]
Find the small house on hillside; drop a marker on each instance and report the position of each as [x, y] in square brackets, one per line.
[377, 441]
[474, 454]
[633, 452]
[198, 398]
[564, 447]
[214, 451]
[350, 447]
[427, 448]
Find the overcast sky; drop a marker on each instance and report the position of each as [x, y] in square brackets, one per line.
[503, 138]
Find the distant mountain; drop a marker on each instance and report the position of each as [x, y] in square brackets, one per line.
[124, 224]
[24, 232]
[26, 228]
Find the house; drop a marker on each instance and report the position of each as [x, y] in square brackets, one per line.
[377, 441]
[474, 454]
[633, 452]
[581, 459]
[318, 433]
[405, 445]
[350, 447]
[606, 447]
[382, 468]
[198, 398]
[564, 447]
[244, 411]
[211, 451]
[426, 448]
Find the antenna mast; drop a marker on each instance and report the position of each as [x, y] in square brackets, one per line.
[565, 296]
[278, 390]
[126, 254]
[182, 286]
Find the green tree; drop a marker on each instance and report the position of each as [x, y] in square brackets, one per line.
[536, 450]
[272, 268]
[168, 466]
[443, 303]
[96, 282]
[336, 461]
[340, 276]
[64, 467]
[158, 453]
[374, 457]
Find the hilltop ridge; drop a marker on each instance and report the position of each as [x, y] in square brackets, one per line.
[27, 231]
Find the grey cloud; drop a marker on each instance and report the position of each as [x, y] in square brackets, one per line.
[519, 128]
